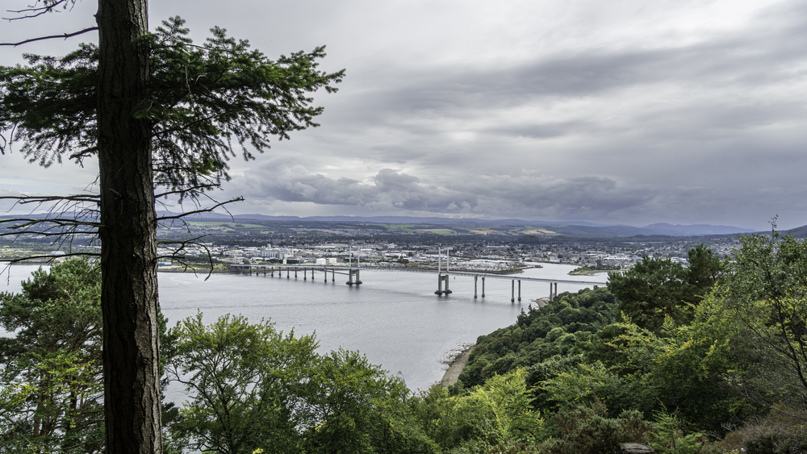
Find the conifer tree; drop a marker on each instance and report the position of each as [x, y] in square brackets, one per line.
[156, 111]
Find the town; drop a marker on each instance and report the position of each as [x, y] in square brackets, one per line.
[496, 249]
[376, 246]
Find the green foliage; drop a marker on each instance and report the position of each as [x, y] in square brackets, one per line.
[562, 327]
[586, 429]
[202, 98]
[783, 431]
[50, 382]
[586, 384]
[253, 388]
[357, 407]
[669, 437]
[687, 369]
[657, 288]
[242, 379]
[497, 413]
[766, 293]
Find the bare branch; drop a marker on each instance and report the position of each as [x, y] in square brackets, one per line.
[42, 38]
[201, 210]
[50, 258]
[23, 199]
[185, 190]
[181, 259]
[36, 11]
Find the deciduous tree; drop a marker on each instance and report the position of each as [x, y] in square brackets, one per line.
[766, 291]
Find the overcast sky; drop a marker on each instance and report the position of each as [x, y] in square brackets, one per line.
[616, 112]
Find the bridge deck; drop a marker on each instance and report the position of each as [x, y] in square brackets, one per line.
[346, 269]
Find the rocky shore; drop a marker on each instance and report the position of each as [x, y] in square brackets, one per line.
[456, 365]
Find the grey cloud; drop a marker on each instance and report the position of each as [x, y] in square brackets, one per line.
[387, 190]
[528, 196]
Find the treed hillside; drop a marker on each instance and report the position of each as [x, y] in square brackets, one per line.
[558, 329]
[713, 352]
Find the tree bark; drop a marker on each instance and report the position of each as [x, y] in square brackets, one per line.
[127, 232]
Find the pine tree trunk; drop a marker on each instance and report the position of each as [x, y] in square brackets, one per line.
[128, 232]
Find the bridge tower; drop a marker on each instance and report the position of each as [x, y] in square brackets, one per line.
[440, 276]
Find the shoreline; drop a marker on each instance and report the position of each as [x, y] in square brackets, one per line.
[588, 272]
[456, 366]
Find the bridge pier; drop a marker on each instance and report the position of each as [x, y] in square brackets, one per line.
[350, 274]
[483, 286]
[440, 279]
[475, 279]
[512, 291]
[519, 290]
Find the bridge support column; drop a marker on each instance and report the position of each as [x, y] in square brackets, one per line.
[288, 271]
[305, 274]
[519, 290]
[553, 290]
[483, 286]
[440, 279]
[512, 291]
[476, 278]
[350, 274]
[326, 275]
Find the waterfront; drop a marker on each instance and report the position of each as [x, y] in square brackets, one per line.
[394, 317]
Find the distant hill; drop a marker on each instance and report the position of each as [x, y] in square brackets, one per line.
[572, 228]
[696, 229]
[798, 232]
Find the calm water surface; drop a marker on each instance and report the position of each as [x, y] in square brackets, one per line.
[393, 317]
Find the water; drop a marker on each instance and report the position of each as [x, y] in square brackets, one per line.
[393, 317]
